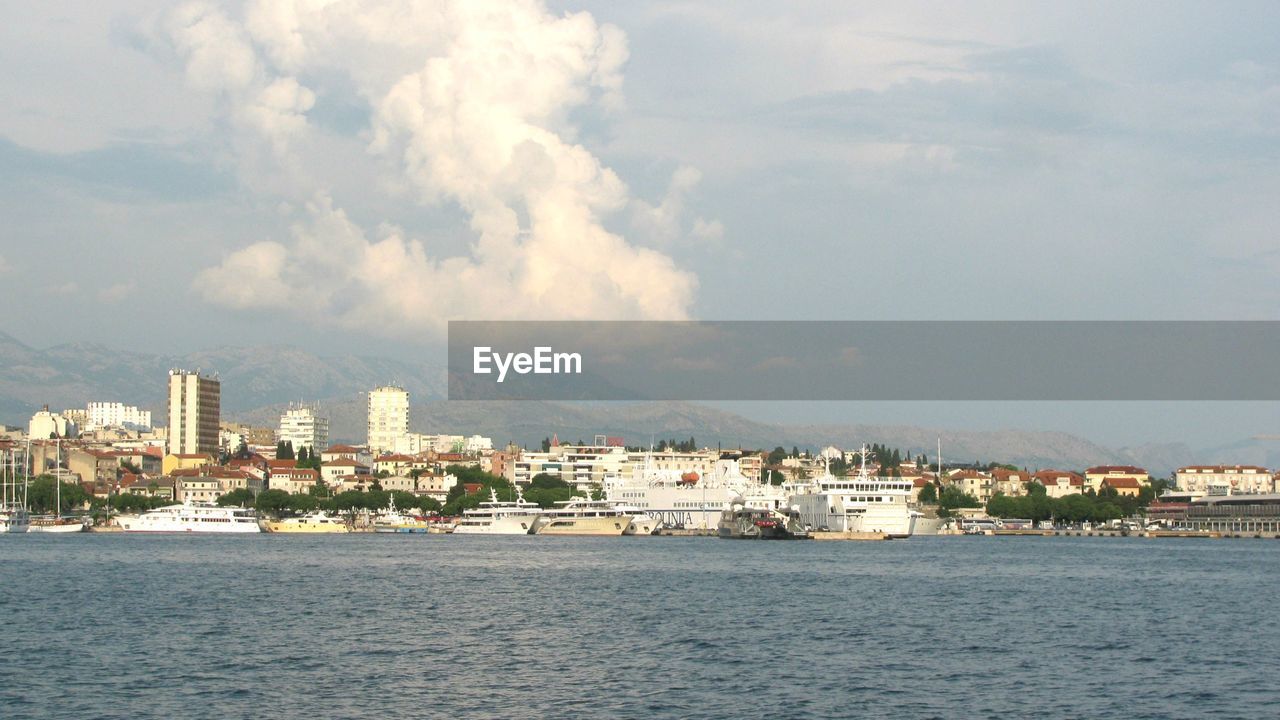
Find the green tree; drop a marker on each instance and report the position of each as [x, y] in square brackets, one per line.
[239, 497]
[302, 503]
[272, 502]
[284, 450]
[776, 456]
[929, 494]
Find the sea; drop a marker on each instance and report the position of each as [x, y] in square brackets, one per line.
[427, 626]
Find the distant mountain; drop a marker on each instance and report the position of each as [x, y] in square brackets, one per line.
[70, 375]
[526, 423]
[258, 381]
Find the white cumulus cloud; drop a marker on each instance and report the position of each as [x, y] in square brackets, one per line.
[470, 104]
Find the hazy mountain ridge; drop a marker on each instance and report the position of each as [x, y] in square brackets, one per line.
[72, 374]
[258, 381]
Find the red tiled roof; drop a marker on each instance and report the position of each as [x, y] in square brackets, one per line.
[334, 449]
[1115, 469]
[1122, 482]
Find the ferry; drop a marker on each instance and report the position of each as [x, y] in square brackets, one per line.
[500, 518]
[192, 517]
[861, 503]
[688, 500]
[312, 522]
[580, 516]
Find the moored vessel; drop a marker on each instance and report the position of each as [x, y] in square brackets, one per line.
[499, 518]
[191, 518]
[858, 504]
[580, 516]
[312, 522]
[743, 522]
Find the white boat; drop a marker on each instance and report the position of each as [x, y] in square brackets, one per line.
[14, 517]
[500, 518]
[56, 525]
[391, 520]
[192, 517]
[861, 503]
[689, 501]
[922, 524]
[580, 516]
[312, 522]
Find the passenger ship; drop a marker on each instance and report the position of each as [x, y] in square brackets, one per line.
[499, 518]
[312, 522]
[690, 501]
[861, 503]
[192, 517]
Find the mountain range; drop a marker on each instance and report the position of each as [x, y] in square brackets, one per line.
[257, 382]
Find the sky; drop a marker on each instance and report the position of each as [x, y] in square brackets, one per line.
[351, 175]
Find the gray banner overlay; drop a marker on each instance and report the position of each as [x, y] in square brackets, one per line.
[858, 360]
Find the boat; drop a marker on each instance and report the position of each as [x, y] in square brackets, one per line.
[56, 524]
[391, 520]
[687, 500]
[499, 518]
[922, 524]
[580, 516]
[14, 517]
[192, 518]
[858, 504]
[743, 522]
[312, 522]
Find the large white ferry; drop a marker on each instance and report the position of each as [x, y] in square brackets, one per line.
[580, 516]
[499, 518]
[192, 517]
[689, 501]
[861, 503]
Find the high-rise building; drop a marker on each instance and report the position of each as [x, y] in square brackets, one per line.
[388, 418]
[303, 427]
[194, 410]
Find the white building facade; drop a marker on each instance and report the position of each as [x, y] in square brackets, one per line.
[304, 427]
[388, 419]
[114, 414]
[1225, 479]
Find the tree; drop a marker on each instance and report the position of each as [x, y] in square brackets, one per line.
[953, 497]
[284, 450]
[240, 497]
[776, 456]
[776, 477]
[272, 502]
[929, 494]
[300, 503]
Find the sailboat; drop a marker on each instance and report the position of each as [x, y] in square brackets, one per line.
[13, 499]
[55, 523]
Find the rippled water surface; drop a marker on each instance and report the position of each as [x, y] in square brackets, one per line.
[436, 626]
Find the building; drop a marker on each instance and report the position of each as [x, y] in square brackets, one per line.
[294, 480]
[972, 482]
[1060, 483]
[302, 426]
[1224, 479]
[388, 419]
[194, 411]
[1009, 482]
[1094, 476]
[196, 488]
[184, 461]
[1122, 485]
[114, 414]
[45, 424]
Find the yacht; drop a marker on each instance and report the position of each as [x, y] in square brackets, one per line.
[688, 500]
[56, 524]
[312, 522]
[14, 517]
[500, 518]
[861, 503]
[392, 520]
[192, 517]
[580, 516]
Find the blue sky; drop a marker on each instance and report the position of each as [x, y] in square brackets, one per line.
[240, 173]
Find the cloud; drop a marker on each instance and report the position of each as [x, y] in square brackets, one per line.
[471, 105]
[118, 292]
